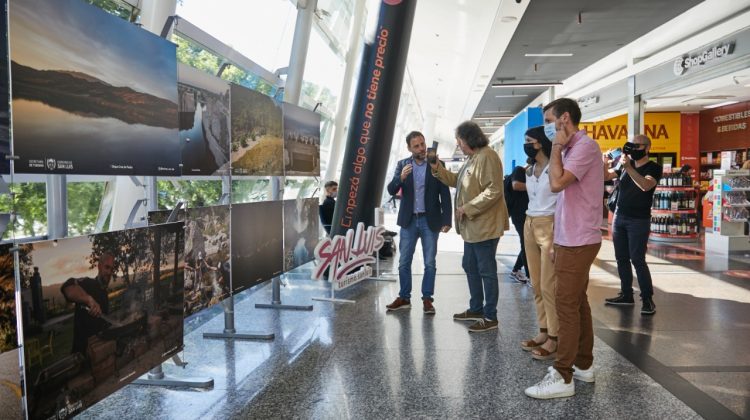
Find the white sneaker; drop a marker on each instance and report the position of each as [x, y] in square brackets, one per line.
[552, 386]
[586, 375]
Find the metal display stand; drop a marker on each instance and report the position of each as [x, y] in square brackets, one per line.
[276, 299]
[276, 193]
[230, 332]
[156, 376]
[381, 276]
[333, 294]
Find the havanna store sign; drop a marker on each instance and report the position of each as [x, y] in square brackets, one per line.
[663, 128]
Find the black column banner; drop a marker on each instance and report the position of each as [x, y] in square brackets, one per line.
[374, 117]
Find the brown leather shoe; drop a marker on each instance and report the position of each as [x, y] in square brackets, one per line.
[428, 309]
[398, 304]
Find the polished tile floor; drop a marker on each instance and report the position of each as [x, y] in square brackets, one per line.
[341, 361]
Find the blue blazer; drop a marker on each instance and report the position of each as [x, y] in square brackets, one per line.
[437, 198]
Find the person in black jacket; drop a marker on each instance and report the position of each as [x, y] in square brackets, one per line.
[329, 204]
[518, 201]
[425, 211]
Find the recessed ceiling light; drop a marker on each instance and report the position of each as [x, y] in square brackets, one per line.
[511, 96]
[484, 76]
[526, 84]
[703, 91]
[548, 55]
[720, 104]
[508, 19]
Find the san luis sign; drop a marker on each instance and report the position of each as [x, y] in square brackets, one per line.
[348, 257]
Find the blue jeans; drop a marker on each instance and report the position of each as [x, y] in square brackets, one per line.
[481, 272]
[630, 237]
[417, 229]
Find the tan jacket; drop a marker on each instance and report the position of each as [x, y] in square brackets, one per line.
[481, 195]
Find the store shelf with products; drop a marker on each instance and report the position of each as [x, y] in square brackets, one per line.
[731, 211]
[674, 213]
[711, 161]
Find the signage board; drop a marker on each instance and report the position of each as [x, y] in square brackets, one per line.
[348, 257]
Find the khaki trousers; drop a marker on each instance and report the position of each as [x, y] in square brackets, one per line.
[538, 233]
[575, 342]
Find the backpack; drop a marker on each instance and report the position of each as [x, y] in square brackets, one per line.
[508, 190]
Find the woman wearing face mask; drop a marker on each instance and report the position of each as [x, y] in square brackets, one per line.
[538, 234]
[632, 222]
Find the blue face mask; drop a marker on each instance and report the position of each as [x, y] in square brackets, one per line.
[550, 131]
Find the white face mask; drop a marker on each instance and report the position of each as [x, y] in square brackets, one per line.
[550, 131]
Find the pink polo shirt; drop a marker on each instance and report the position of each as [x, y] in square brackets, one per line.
[578, 214]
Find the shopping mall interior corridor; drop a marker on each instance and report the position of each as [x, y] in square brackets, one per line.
[339, 361]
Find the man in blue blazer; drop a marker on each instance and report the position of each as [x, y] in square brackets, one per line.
[425, 211]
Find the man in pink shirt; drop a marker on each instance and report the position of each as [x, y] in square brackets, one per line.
[575, 172]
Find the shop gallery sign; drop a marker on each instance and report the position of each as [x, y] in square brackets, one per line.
[685, 63]
[348, 256]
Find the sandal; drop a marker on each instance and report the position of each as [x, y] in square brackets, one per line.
[529, 345]
[541, 353]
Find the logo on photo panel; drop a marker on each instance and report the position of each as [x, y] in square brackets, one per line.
[51, 164]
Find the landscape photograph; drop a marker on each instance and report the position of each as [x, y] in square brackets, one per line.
[301, 141]
[98, 312]
[4, 92]
[257, 143]
[301, 231]
[207, 257]
[257, 248]
[204, 122]
[85, 82]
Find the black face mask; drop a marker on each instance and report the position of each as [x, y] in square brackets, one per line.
[638, 154]
[528, 148]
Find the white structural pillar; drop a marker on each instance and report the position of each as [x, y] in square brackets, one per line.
[635, 110]
[154, 14]
[57, 206]
[296, 72]
[342, 112]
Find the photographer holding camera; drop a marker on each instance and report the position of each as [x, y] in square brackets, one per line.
[632, 221]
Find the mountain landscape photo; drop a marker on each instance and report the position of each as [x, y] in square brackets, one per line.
[84, 82]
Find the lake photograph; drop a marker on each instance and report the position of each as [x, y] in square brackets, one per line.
[92, 93]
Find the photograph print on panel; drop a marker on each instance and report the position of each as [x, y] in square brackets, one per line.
[126, 123]
[301, 231]
[257, 248]
[257, 143]
[4, 91]
[301, 141]
[207, 258]
[204, 122]
[112, 310]
[8, 336]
